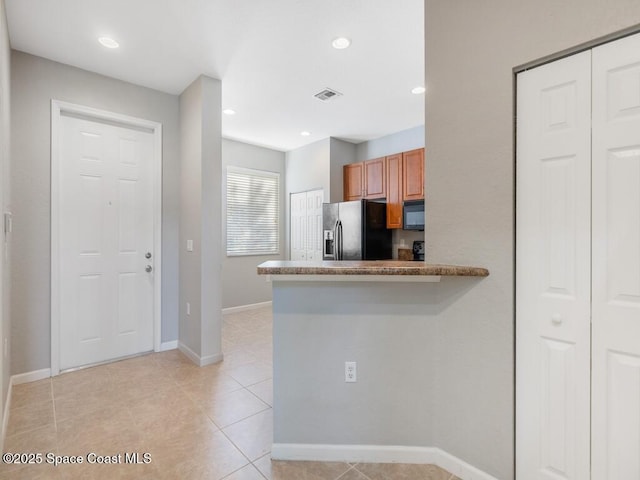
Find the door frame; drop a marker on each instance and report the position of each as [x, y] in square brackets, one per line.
[58, 108]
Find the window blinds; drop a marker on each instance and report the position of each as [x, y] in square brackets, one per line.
[253, 208]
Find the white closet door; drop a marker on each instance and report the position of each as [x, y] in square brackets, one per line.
[298, 226]
[553, 270]
[616, 261]
[314, 224]
[306, 225]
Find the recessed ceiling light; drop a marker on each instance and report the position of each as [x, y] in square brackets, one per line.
[341, 43]
[108, 42]
[305, 133]
[418, 90]
[229, 111]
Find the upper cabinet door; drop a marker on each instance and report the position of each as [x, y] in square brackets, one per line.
[375, 179]
[353, 177]
[413, 174]
[394, 191]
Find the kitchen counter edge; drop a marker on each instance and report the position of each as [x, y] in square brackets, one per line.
[368, 268]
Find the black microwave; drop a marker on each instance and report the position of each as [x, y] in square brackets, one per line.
[413, 215]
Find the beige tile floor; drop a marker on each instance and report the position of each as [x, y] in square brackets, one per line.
[195, 423]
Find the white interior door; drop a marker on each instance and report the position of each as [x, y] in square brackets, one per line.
[106, 227]
[298, 215]
[314, 224]
[616, 261]
[306, 225]
[553, 271]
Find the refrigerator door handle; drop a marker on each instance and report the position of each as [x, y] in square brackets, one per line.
[336, 245]
[340, 254]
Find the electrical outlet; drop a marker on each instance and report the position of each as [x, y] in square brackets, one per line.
[350, 373]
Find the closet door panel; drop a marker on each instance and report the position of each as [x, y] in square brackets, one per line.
[552, 270]
[616, 261]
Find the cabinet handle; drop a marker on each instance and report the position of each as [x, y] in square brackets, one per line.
[556, 318]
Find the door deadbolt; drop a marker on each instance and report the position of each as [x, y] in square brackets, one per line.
[147, 255]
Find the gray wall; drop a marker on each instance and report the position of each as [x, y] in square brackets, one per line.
[5, 205]
[341, 153]
[402, 141]
[242, 285]
[200, 220]
[35, 81]
[307, 168]
[471, 48]
[388, 329]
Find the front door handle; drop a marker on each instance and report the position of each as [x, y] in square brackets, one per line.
[148, 268]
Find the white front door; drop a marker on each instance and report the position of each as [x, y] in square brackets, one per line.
[106, 233]
[553, 271]
[616, 261]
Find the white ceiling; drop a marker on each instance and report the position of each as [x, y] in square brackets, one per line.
[272, 57]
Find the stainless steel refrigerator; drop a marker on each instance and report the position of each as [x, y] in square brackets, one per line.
[355, 231]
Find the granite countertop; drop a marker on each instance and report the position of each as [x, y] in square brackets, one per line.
[368, 267]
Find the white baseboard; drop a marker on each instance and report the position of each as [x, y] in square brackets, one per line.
[353, 453]
[164, 346]
[378, 454]
[211, 359]
[31, 376]
[17, 380]
[244, 308]
[460, 468]
[197, 359]
[5, 415]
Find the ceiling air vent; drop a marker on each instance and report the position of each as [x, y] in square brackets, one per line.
[327, 94]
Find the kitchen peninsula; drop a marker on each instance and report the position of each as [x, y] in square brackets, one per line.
[380, 315]
[371, 270]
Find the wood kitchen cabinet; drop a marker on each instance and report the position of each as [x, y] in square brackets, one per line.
[375, 185]
[353, 181]
[413, 174]
[405, 181]
[394, 191]
[365, 180]
[397, 178]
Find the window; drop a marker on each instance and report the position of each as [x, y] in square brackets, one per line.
[253, 212]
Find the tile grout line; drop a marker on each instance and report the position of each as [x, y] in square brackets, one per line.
[246, 388]
[197, 405]
[351, 467]
[355, 467]
[238, 448]
[243, 467]
[256, 395]
[256, 467]
[220, 429]
[269, 407]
